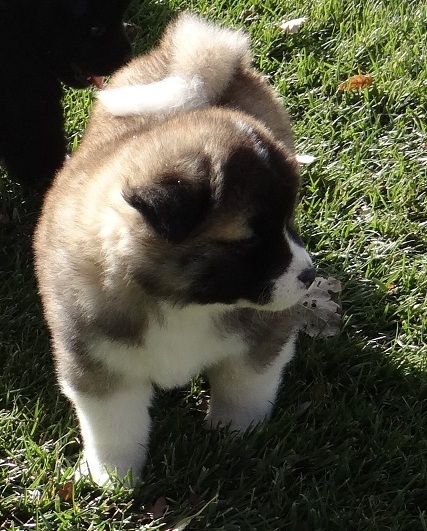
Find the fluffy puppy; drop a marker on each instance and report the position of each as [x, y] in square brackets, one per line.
[166, 245]
[42, 44]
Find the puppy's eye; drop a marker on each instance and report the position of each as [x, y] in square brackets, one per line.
[98, 31]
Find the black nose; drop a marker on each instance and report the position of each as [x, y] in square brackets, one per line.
[307, 276]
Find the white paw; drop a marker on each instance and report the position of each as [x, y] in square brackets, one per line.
[104, 476]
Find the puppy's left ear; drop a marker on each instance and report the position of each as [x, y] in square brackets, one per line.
[173, 207]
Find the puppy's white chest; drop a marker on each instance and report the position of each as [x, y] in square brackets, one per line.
[175, 348]
[186, 343]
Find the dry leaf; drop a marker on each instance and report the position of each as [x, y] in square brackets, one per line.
[318, 315]
[204, 404]
[293, 26]
[359, 81]
[159, 508]
[65, 491]
[132, 30]
[249, 14]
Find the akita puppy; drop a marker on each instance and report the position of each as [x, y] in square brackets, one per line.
[166, 245]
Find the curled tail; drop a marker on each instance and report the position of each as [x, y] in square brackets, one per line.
[202, 59]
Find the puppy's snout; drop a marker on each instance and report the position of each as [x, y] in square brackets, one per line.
[307, 276]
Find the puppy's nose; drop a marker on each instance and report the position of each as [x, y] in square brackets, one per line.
[307, 276]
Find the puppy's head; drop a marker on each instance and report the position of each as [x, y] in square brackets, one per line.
[209, 204]
[87, 39]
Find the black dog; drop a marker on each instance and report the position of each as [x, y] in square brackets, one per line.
[43, 43]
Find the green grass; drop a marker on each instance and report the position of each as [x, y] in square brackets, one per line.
[347, 446]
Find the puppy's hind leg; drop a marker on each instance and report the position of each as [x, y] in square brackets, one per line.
[243, 391]
[115, 430]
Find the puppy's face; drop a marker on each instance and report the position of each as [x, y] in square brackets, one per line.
[210, 204]
[89, 40]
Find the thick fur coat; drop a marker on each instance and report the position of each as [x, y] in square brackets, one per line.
[166, 245]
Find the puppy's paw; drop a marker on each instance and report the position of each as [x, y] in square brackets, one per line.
[104, 476]
[99, 476]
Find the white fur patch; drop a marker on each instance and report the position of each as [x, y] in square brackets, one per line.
[169, 94]
[203, 59]
[288, 289]
[182, 345]
[115, 431]
[116, 427]
[208, 50]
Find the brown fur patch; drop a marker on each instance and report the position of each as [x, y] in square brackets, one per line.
[265, 332]
[231, 228]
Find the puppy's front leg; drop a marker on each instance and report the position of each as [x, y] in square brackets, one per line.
[115, 430]
[243, 390]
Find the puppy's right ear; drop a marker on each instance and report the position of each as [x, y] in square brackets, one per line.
[173, 207]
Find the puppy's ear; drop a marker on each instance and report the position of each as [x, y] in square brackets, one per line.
[173, 207]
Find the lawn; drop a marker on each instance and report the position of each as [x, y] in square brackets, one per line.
[346, 448]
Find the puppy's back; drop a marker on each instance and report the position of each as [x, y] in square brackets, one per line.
[197, 64]
[200, 62]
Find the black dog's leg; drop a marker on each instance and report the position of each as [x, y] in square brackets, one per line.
[33, 147]
[32, 143]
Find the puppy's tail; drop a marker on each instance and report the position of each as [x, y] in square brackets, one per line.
[202, 59]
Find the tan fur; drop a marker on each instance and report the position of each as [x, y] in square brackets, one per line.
[246, 91]
[112, 273]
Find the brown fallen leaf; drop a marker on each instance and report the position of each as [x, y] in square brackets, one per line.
[158, 509]
[132, 30]
[65, 491]
[317, 314]
[357, 82]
